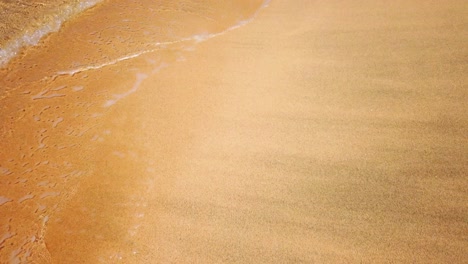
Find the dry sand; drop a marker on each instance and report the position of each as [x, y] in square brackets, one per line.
[322, 132]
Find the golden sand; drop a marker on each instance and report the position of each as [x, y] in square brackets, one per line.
[321, 132]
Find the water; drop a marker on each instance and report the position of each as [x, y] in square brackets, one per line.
[24, 23]
[65, 66]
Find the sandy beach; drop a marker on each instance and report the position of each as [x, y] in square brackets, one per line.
[318, 132]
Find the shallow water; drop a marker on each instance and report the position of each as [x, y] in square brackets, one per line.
[55, 90]
[24, 23]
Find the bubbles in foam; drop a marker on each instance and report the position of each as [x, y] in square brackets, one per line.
[22, 26]
[49, 182]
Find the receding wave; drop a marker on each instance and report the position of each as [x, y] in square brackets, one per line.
[25, 22]
[195, 38]
[113, 25]
[56, 99]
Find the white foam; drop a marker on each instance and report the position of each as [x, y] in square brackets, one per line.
[99, 66]
[26, 197]
[57, 121]
[117, 97]
[197, 38]
[42, 95]
[78, 88]
[43, 183]
[49, 194]
[12, 48]
[5, 236]
[4, 200]
[41, 208]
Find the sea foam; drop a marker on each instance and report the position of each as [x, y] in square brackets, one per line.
[24, 24]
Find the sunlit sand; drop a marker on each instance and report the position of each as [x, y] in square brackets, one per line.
[249, 132]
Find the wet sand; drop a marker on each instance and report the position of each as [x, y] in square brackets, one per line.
[321, 132]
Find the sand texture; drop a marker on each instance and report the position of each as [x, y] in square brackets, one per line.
[320, 132]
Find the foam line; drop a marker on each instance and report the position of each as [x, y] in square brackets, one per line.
[195, 38]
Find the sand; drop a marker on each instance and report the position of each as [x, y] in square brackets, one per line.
[321, 132]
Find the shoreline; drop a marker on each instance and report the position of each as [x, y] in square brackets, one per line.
[320, 132]
[19, 42]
